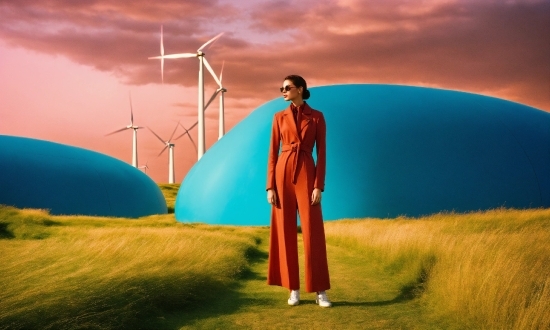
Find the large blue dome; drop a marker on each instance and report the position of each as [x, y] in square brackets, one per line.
[69, 180]
[391, 150]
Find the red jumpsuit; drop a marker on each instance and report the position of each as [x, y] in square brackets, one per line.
[293, 175]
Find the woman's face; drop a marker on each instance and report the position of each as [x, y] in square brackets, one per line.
[291, 92]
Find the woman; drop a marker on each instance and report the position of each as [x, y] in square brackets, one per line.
[295, 183]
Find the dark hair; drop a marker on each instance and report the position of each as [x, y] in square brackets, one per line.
[299, 82]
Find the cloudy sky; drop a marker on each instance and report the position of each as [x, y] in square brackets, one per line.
[67, 67]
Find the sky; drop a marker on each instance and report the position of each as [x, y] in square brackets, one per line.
[68, 68]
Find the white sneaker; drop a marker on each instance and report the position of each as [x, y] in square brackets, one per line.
[322, 299]
[294, 298]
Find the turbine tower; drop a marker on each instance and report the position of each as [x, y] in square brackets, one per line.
[134, 141]
[202, 63]
[170, 145]
[221, 90]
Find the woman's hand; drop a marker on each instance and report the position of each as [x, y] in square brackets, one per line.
[271, 197]
[316, 196]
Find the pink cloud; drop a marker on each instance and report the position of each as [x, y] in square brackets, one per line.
[456, 44]
[490, 47]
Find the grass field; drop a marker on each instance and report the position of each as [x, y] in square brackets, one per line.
[170, 191]
[485, 270]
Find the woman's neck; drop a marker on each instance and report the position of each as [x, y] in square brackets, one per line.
[298, 103]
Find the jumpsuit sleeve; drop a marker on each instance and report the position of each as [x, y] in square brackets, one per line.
[273, 154]
[321, 146]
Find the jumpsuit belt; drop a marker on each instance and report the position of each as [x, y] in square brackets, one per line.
[295, 147]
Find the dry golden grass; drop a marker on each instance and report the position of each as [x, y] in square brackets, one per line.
[109, 273]
[487, 270]
[449, 271]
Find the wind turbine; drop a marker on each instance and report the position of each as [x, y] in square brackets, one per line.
[170, 145]
[144, 167]
[221, 90]
[202, 63]
[135, 128]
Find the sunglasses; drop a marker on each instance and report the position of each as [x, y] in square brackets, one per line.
[287, 88]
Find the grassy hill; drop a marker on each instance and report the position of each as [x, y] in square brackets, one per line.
[447, 271]
[170, 191]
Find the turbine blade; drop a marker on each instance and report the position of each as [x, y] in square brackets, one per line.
[161, 140]
[162, 54]
[209, 42]
[171, 136]
[185, 129]
[131, 109]
[192, 141]
[211, 99]
[162, 151]
[118, 130]
[207, 65]
[194, 144]
[190, 137]
[179, 136]
[221, 74]
[161, 42]
[182, 55]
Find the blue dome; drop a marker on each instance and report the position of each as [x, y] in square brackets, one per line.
[69, 180]
[391, 150]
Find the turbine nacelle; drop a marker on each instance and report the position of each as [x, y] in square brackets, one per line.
[168, 143]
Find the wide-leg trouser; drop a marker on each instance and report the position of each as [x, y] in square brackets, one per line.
[283, 269]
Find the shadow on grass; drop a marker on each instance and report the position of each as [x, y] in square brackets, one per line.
[224, 300]
[50, 223]
[401, 298]
[227, 301]
[254, 255]
[217, 300]
[407, 292]
[249, 275]
[140, 303]
[166, 300]
[5, 233]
